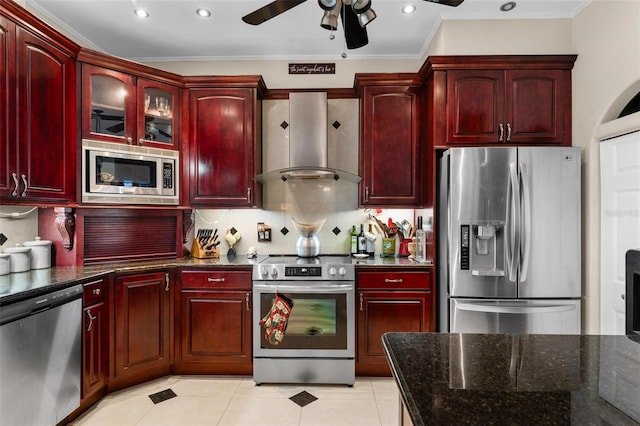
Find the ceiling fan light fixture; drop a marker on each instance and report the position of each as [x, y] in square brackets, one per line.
[328, 4]
[329, 19]
[360, 6]
[141, 13]
[365, 18]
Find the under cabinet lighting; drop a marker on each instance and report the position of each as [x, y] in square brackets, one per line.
[141, 13]
[205, 13]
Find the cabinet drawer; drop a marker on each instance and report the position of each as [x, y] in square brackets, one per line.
[392, 280]
[216, 279]
[93, 292]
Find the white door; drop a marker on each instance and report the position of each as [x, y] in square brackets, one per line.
[620, 224]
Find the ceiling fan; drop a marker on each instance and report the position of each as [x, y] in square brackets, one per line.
[354, 18]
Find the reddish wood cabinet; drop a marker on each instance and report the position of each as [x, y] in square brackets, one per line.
[225, 152]
[142, 328]
[213, 322]
[95, 344]
[37, 99]
[390, 300]
[123, 108]
[389, 143]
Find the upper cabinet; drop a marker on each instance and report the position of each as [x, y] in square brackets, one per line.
[502, 100]
[225, 144]
[123, 108]
[37, 100]
[389, 136]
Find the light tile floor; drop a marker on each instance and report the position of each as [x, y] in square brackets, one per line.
[237, 401]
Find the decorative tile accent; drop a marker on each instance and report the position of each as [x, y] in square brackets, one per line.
[336, 230]
[303, 398]
[284, 230]
[284, 125]
[162, 396]
[336, 124]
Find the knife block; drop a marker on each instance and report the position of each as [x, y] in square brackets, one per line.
[200, 252]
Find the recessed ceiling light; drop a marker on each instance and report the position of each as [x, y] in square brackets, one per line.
[203, 12]
[409, 8]
[510, 5]
[141, 13]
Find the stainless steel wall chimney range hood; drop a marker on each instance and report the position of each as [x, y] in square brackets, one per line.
[308, 142]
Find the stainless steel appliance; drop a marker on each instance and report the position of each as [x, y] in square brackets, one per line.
[123, 174]
[509, 230]
[319, 340]
[40, 358]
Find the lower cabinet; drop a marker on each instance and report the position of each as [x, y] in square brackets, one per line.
[142, 328]
[213, 322]
[389, 301]
[95, 340]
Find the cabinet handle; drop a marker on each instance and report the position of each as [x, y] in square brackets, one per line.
[249, 195]
[140, 141]
[366, 194]
[25, 185]
[361, 303]
[501, 137]
[396, 280]
[216, 280]
[91, 318]
[166, 280]
[508, 132]
[246, 301]
[129, 140]
[16, 185]
[96, 291]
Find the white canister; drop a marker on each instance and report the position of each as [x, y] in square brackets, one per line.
[19, 258]
[40, 253]
[5, 264]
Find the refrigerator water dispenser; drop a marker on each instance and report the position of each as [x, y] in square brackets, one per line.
[482, 249]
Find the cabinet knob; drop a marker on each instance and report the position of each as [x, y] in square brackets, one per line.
[96, 291]
[140, 141]
[129, 140]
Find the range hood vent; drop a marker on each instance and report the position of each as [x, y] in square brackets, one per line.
[307, 142]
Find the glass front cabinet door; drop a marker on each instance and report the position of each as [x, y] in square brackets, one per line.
[120, 108]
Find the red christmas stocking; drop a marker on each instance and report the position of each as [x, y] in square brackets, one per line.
[275, 321]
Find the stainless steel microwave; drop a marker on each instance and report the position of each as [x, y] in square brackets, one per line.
[123, 174]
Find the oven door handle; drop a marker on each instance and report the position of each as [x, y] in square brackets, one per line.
[334, 288]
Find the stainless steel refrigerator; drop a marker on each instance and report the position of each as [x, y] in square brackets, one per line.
[509, 240]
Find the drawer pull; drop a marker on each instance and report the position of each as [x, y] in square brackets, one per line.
[91, 318]
[216, 280]
[361, 303]
[393, 281]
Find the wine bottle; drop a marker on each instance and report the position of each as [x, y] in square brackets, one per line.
[362, 241]
[371, 244]
[354, 240]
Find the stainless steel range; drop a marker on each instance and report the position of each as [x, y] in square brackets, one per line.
[318, 343]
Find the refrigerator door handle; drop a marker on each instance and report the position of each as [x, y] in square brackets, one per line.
[525, 238]
[512, 225]
[513, 309]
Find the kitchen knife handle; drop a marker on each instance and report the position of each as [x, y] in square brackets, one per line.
[501, 136]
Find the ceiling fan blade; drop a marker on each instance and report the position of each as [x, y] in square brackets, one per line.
[453, 3]
[354, 34]
[269, 11]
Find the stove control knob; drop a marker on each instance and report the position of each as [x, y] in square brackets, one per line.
[342, 271]
[274, 272]
[332, 271]
[264, 272]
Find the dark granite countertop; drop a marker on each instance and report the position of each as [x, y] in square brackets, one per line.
[19, 286]
[516, 379]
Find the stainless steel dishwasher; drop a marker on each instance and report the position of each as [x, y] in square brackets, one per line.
[40, 358]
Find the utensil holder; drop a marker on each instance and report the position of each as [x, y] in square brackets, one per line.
[200, 252]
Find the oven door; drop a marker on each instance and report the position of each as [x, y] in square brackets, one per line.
[321, 323]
